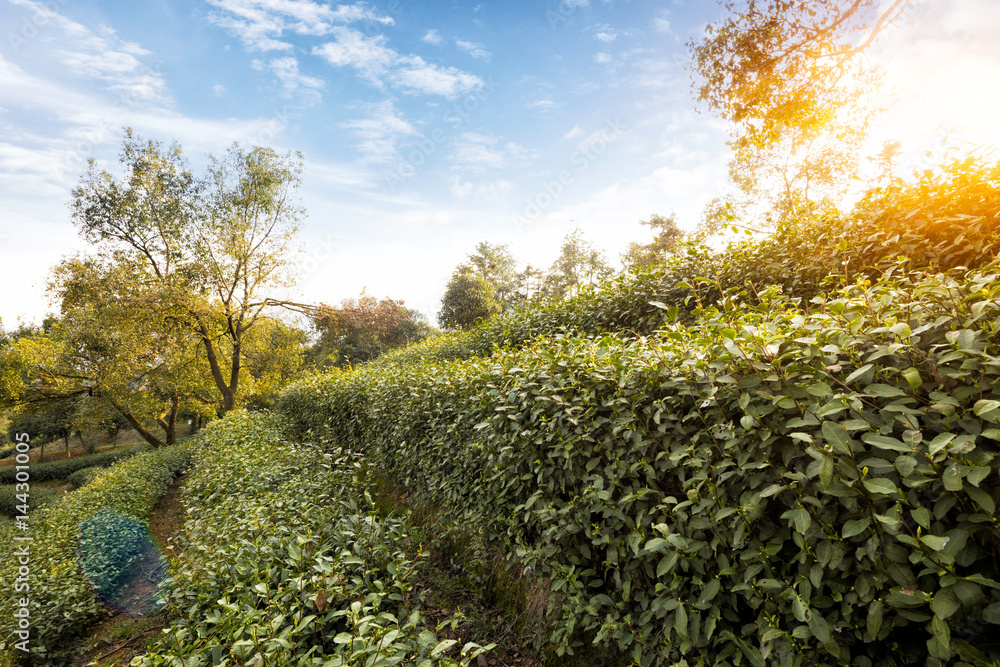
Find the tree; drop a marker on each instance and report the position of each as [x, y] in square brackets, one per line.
[364, 328]
[779, 66]
[788, 76]
[497, 266]
[208, 251]
[468, 300]
[668, 235]
[579, 263]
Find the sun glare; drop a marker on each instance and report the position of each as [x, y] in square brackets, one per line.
[939, 89]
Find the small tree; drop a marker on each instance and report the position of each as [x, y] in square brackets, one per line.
[362, 329]
[579, 263]
[668, 235]
[468, 300]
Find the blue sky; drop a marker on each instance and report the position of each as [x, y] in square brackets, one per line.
[425, 127]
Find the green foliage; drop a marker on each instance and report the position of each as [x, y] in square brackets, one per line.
[40, 497]
[468, 300]
[287, 562]
[945, 219]
[41, 472]
[579, 264]
[769, 481]
[181, 273]
[62, 599]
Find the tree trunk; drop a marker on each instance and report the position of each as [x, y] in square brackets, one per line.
[136, 424]
[66, 440]
[228, 396]
[169, 425]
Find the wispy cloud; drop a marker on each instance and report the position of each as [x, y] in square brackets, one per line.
[476, 151]
[602, 58]
[573, 133]
[287, 71]
[432, 37]
[260, 24]
[474, 50]
[662, 23]
[380, 132]
[606, 33]
[544, 105]
[219, 90]
[380, 64]
[104, 57]
[483, 192]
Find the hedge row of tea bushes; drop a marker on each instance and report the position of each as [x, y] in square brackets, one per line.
[767, 485]
[285, 562]
[62, 599]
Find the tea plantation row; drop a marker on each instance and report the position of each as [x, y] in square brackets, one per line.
[771, 482]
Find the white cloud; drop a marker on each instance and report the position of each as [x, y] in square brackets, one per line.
[478, 152]
[379, 64]
[354, 49]
[287, 71]
[416, 75]
[260, 24]
[380, 132]
[662, 22]
[483, 192]
[219, 90]
[432, 37]
[574, 133]
[601, 57]
[544, 105]
[474, 50]
[606, 33]
[104, 57]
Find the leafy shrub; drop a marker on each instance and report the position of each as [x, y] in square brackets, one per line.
[62, 599]
[287, 563]
[7, 452]
[41, 472]
[39, 497]
[83, 476]
[767, 484]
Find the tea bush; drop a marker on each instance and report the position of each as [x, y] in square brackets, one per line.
[778, 482]
[40, 497]
[62, 599]
[285, 561]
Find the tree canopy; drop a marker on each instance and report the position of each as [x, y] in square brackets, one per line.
[789, 76]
